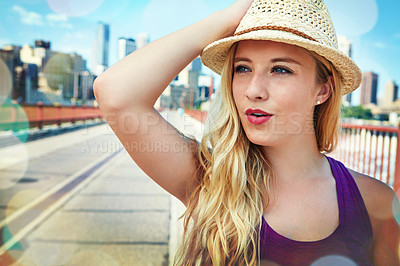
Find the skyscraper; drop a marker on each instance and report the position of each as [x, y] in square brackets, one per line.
[101, 48]
[142, 39]
[369, 88]
[391, 93]
[345, 47]
[125, 47]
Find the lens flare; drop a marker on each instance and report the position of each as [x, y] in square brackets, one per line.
[28, 2]
[92, 257]
[18, 201]
[74, 8]
[23, 259]
[39, 254]
[7, 235]
[13, 162]
[15, 252]
[399, 251]
[5, 82]
[54, 71]
[22, 252]
[109, 11]
[10, 257]
[362, 15]
[396, 209]
[177, 12]
[334, 260]
[14, 119]
[21, 199]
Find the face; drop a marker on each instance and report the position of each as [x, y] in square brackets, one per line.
[275, 91]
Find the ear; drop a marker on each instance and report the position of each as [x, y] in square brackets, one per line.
[325, 90]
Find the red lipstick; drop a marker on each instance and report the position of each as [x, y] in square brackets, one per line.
[257, 116]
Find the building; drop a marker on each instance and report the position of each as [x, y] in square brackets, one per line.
[125, 47]
[18, 79]
[188, 79]
[177, 96]
[38, 55]
[189, 76]
[189, 89]
[206, 87]
[345, 46]
[369, 88]
[6, 74]
[31, 83]
[15, 68]
[142, 39]
[101, 48]
[196, 65]
[86, 84]
[53, 76]
[78, 64]
[79, 86]
[54, 73]
[391, 94]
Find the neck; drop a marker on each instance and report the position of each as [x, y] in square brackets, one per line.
[298, 159]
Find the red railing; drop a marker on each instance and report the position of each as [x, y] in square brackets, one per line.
[371, 150]
[23, 116]
[197, 114]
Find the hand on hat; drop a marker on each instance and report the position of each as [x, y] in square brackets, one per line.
[235, 13]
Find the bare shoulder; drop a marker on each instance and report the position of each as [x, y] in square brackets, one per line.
[378, 197]
[383, 208]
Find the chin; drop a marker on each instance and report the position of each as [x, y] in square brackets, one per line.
[260, 139]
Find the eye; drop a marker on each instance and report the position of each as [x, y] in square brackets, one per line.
[281, 70]
[241, 69]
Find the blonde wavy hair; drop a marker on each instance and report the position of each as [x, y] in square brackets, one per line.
[224, 213]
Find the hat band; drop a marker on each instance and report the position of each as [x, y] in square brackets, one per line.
[299, 33]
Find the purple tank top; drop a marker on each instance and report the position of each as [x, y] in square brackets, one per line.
[350, 244]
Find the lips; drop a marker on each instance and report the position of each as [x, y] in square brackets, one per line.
[257, 116]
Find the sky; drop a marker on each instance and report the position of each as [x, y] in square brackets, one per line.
[373, 26]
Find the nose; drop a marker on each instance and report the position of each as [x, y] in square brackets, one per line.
[257, 88]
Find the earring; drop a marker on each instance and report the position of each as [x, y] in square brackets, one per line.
[318, 102]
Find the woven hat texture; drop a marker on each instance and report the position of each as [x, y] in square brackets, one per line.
[305, 23]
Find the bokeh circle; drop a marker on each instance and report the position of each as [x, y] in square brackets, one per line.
[74, 8]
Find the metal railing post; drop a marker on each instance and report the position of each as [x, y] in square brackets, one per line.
[40, 115]
[396, 182]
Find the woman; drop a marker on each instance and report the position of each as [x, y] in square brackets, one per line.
[257, 188]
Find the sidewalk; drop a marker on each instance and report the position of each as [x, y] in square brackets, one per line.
[118, 216]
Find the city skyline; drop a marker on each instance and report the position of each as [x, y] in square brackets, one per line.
[374, 33]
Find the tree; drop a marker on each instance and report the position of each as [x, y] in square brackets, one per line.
[356, 112]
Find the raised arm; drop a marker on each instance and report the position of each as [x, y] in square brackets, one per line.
[127, 92]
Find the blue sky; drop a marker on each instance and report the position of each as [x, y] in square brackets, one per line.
[372, 25]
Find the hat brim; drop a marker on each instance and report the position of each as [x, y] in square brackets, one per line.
[215, 54]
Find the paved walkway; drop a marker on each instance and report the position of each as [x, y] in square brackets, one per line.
[115, 216]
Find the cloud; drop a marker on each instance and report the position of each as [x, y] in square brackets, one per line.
[4, 42]
[384, 46]
[57, 17]
[29, 18]
[77, 35]
[35, 19]
[58, 20]
[162, 17]
[380, 45]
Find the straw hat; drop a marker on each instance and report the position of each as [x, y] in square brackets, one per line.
[305, 23]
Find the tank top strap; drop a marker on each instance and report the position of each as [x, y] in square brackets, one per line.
[352, 209]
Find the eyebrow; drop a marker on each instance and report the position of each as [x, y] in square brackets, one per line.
[274, 60]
